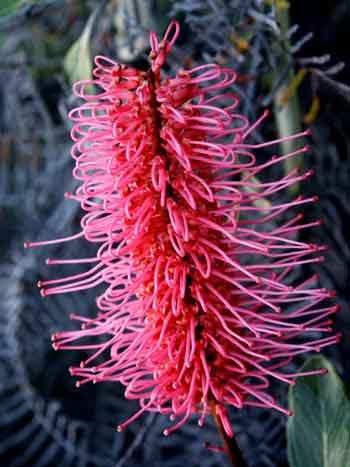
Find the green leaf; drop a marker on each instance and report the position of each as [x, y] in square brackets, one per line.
[319, 431]
[259, 202]
[77, 62]
[9, 6]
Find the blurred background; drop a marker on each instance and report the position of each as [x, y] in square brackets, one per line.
[291, 57]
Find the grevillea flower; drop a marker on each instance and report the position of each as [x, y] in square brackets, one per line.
[198, 312]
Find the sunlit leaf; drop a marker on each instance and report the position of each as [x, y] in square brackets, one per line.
[77, 62]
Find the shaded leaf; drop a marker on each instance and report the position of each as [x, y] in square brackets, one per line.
[334, 86]
[319, 432]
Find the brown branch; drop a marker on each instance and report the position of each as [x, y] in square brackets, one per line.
[230, 444]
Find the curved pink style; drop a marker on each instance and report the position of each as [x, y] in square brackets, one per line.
[198, 312]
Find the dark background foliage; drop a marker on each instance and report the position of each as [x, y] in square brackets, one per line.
[44, 420]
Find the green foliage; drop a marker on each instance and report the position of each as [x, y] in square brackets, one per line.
[11, 6]
[163, 8]
[77, 62]
[319, 431]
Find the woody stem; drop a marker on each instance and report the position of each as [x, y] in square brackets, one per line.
[230, 444]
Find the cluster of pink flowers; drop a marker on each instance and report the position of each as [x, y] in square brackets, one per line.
[198, 313]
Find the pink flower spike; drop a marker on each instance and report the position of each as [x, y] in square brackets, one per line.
[198, 311]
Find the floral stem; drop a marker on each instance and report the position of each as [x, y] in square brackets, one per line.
[287, 110]
[230, 444]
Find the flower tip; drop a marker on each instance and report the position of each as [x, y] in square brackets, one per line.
[173, 22]
[290, 413]
[43, 292]
[166, 432]
[308, 132]
[77, 384]
[39, 284]
[26, 244]
[119, 429]
[48, 261]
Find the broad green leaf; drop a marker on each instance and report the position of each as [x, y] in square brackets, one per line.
[319, 431]
[77, 62]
